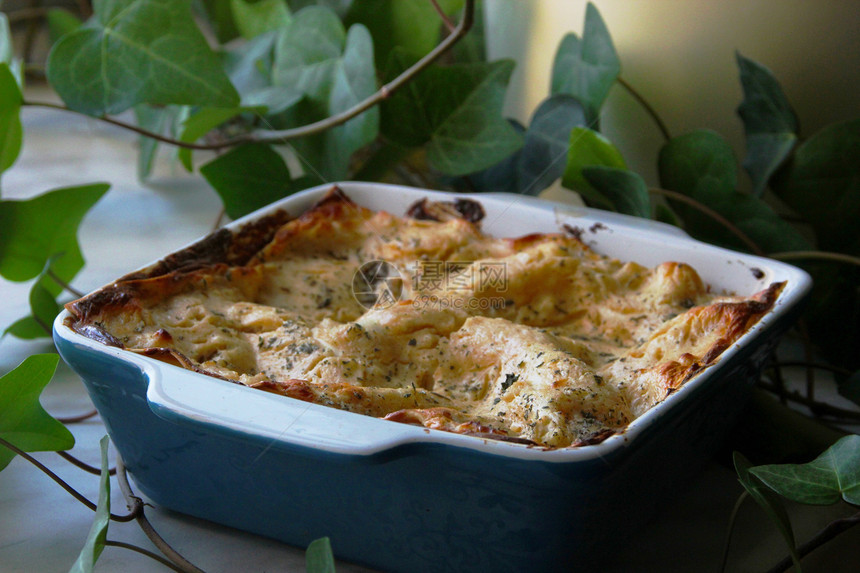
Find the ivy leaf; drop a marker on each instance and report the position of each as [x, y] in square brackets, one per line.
[768, 501]
[354, 81]
[589, 148]
[26, 328]
[543, 156]
[834, 300]
[456, 112]
[97, 536]
[11, 133]
[249, 64]
[33, 231]
[626, 190]
[23, 421]
[339, 7]
[60, 23]
[249, 67]
[219, 15]
[770, 123]
[586, 68]
[702, 166]
[766, 152]
[307, 52]
[253, 19]
[833, 474]
[319, 557]
[541, 160]
[249, 177]
[135, 51]
[334, 70]
[503, 177]
[410, 25]
[43, 309]
[823, 183]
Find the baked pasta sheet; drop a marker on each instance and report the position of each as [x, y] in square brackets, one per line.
[424, 319]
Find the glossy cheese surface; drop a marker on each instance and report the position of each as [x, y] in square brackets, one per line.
[534, 339]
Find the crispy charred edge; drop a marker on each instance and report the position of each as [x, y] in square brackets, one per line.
[742, 315]
[466, 209]
[131, 294]
[125, 292]
[84, 310]
[222, 246]
[334, 208]
[216, 251]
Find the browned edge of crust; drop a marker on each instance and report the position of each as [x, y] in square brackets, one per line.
[227, 248]
[223, 246]
[743, 315]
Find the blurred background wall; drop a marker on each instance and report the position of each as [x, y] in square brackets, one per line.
[680, 55]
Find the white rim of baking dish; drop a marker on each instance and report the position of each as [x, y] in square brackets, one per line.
[185, 396]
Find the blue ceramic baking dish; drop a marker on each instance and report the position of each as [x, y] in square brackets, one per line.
[398, 497]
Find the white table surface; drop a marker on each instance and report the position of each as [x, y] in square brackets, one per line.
[42, 528]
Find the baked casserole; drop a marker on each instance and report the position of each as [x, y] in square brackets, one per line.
[426, 320]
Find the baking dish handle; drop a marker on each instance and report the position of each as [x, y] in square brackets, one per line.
[195, 400]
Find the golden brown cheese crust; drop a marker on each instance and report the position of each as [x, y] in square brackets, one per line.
[566, 349]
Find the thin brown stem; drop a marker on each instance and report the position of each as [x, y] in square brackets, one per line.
[142, 551]
[78, 418]
[282, 136]
[62, 483]
[83, 465]
[648, 108]
[816, 255]
[444, 17]
[42, 325]
[64, 284]
[675, 196]
[828, 532]
[125, 125]
[181, 562]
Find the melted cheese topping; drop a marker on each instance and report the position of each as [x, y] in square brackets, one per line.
[535, 339]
